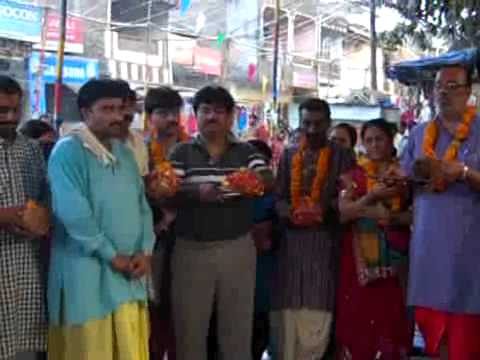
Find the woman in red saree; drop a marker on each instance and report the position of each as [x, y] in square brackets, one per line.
[372, 322]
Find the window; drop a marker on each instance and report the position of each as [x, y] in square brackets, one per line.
[326, 49]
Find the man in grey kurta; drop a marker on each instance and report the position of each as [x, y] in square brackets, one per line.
[445, 247]
[22, 287]
[304, 290]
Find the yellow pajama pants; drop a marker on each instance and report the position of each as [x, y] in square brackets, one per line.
[122, 335]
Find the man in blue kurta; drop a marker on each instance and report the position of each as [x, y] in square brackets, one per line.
[445, 250]
[103, 237]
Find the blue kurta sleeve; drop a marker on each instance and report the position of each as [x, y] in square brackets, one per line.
[68, 177]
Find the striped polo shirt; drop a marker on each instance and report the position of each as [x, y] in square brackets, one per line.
[228, 220]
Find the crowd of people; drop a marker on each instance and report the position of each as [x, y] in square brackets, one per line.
[338, 255]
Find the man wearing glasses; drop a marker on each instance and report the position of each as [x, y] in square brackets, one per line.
[214, 257]
[445, 251]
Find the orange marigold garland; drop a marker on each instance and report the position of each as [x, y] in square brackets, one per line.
[163, 178]
[163, 181]
[430, 141]
[372, 168]
[296, 184]
[461, 134]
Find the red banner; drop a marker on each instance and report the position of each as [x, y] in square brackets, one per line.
[208, 61]
[74, 37]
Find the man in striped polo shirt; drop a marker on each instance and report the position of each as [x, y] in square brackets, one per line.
[214, 256]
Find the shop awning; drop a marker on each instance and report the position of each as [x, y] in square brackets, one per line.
[415, 71]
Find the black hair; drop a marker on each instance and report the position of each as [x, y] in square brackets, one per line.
[97, 89]
[388, 128]
[352, 132]
[263, 148]
[315, 104]
[162, 97]
[10, 86]
[130, 93]
[35, 129]
[213, 95]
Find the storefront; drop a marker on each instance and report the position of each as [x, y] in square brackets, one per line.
[20, 27]
[42, 75]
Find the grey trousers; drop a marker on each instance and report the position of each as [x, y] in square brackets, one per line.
[206, 273]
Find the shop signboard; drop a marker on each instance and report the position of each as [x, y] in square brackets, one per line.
[180, 49]
[74, 36]
[208, 61]
[76, 72]
[20, 21]
[304, 78]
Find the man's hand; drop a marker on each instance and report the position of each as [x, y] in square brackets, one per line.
[210, 193]
[451, 170]
[307, 216]
[140, 265]
[21, 232]
[28, 222]
[10, 216]
[262, 235]
[168, 218]
[122, 264]
[157, 190]
[35, 220]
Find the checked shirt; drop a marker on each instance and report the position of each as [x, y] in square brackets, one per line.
[22, 281]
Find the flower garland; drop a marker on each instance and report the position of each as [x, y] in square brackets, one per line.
[157, 149]
[296, 183]
[461, 134]
[371, 168]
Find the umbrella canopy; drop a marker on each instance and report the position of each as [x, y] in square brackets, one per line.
[414, 71]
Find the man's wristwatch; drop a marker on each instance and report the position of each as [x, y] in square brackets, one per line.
[465, 172]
